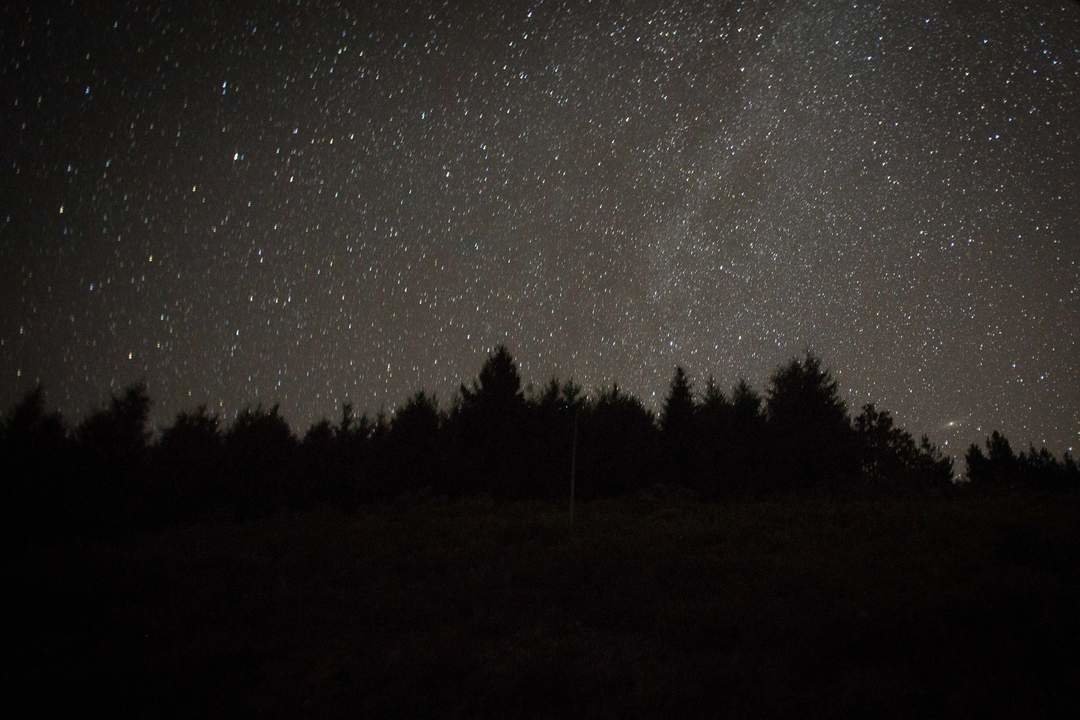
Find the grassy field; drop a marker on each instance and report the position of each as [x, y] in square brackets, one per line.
[900, 608]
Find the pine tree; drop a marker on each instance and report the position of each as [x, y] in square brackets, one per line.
[810, 429]
[715, 418]
[678, 411]
[678, 428]
[498, 387]
[488, 427]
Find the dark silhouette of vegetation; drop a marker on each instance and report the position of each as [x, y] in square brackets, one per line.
[617, 446]
[809, 430]
[413, 446]
[1000, 469]
[36, 454]
[112, 453]
[259, 448]
[715, 421]
[486, 431]
[891, 462]
[188, 460]
[747, 449]
[766, 549]
[679, 428]
[553, 413]
[497, 439]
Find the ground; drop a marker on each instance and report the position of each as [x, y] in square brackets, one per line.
[958, 606]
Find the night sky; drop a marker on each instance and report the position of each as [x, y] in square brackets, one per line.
[311, 202]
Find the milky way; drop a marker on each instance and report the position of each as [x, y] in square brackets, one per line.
[311, 202]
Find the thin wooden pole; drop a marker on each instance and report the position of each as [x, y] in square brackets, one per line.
[573, 467]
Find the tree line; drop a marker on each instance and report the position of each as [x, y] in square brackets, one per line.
[497, 439]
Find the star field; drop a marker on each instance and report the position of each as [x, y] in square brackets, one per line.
[313, 202]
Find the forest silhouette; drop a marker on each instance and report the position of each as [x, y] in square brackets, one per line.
[497, 439]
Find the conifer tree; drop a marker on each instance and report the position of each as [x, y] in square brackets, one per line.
[678, 428]
[809, 427]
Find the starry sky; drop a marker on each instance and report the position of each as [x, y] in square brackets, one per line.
[313, 202]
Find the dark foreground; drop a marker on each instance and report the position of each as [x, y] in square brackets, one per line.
[904, 608]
